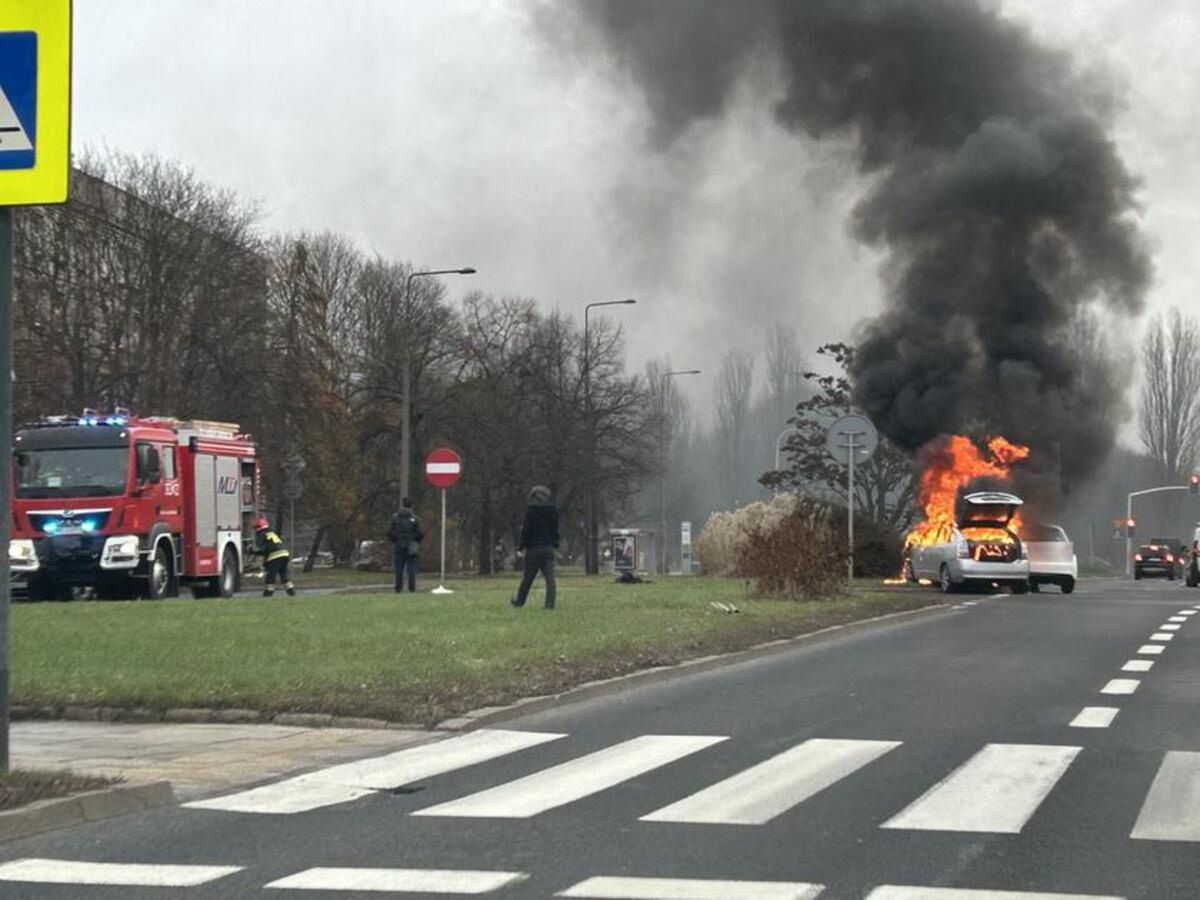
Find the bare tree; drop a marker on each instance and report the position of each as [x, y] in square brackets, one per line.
[1169, 413]
[734, 390]
[784, 372]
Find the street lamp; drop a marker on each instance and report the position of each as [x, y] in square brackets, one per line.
[406, 384]
[591, 563]
[662, 449]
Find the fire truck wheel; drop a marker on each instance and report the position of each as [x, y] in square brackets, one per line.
[160, 573]
[228, 584]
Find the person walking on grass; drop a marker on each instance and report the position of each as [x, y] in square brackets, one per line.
[406, 535]
[276, 557]
[539, 540]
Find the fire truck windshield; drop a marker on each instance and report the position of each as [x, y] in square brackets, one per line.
[71, 471]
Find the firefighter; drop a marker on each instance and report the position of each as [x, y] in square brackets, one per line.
[269, 546]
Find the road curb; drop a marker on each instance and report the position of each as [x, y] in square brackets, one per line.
[490, 715]
[91, 806]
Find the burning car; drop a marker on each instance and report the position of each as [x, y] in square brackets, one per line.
[982, 549]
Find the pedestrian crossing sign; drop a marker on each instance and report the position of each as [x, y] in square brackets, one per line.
[35, 101]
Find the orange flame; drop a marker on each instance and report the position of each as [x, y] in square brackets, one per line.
[953, 464]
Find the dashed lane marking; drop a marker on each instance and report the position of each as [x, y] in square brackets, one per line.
[63, 871]
[899, 892]
[1169, 627]
[609, 888]
[1121, 686]
[399, 881]
[1151, 649]
[1095, 717]
[1162, 636]
[1138, 665]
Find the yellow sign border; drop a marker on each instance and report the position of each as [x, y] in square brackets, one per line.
[49, 179]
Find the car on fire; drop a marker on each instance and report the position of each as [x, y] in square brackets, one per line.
[1051, 558]
[1156, 558]
[982, 549]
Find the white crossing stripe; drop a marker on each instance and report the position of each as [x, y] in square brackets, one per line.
[1186, 612]
[1121, 686]
[1151, 649]
[606, 888]
[1169, 627]
[1171, 811]
[762, 792]
[574, 780]
[1138, 665]
[64, 871]
[349, 781]
[1095, 717]
[996, 791]
[1181, 619]
[400, 881]
[1162, 636]
[897, 892]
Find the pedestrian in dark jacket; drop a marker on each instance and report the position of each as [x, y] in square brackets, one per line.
[539, 540]
[406, 535]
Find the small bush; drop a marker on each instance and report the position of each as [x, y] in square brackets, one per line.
[799, 555]
[720, 543]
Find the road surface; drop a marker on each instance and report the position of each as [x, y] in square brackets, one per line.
[1009, 748]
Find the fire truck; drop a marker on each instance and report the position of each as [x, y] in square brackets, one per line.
[127, 506]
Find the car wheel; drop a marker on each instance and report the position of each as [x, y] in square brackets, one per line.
[160, 573]
[1067, 585]
[945, 582]
[1137, 574]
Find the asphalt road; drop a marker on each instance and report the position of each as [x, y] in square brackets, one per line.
[933, 752]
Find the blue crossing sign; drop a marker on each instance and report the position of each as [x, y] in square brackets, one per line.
[35, 101]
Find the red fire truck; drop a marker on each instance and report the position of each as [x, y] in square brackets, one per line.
[130, 506]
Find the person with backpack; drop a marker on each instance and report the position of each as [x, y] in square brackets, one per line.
[406, 535]
[539, 540]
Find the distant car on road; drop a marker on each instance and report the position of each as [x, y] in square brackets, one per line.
[1155, 559]
[982, 549]
[1051, 558]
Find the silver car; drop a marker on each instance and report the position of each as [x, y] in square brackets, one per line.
[1051, 558]
[982, 549]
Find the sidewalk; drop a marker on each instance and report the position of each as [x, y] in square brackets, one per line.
[198, 760]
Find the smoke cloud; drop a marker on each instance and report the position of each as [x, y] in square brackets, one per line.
[994, 191]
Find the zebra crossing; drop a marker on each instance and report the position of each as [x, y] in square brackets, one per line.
[996, 790]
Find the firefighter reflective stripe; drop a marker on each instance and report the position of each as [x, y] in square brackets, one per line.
[274, 549]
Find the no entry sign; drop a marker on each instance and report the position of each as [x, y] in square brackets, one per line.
[442, 467]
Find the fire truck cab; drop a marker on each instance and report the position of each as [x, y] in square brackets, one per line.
[131, 506]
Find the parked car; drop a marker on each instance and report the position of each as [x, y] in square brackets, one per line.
[982, 550]
[1191, 559]
[1155, 559]
[1051, 558]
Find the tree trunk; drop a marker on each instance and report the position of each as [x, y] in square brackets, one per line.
[314, 549]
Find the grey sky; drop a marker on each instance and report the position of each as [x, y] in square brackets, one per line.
[448, 132]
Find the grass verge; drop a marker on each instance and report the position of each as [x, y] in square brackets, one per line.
[409, 658]
[22, 786]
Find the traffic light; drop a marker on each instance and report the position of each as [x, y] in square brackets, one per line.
[1130, 527]
[1194, 483]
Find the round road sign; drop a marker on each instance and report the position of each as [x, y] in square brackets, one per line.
[851, 431]
[443, 467]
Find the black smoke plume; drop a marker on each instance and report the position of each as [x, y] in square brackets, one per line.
[994, 188]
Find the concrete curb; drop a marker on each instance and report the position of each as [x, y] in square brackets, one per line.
[92, 806]
[490, 715]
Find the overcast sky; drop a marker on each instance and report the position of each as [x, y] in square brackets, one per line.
[451, 132]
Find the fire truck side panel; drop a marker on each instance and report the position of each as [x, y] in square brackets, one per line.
[203, 531]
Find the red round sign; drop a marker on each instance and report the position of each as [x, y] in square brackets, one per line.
[442, 467]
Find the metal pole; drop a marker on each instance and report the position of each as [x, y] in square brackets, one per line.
[442, 580]
[6, 425]
[1128, 540]
[405, 402]
[662, 450]
[850, 506]
[590, 567]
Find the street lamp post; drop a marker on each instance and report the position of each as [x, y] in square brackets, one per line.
[406, 385]
[1129, 515]
[662, 449]
[591, 562]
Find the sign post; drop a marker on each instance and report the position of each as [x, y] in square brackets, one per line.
[442, 468]
[35, 168]
[851, 440]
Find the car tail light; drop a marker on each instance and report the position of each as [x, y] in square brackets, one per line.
[1137, 557]
[963, 549]
[1170, 557]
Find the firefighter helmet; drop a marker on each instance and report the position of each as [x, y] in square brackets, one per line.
[261, 524]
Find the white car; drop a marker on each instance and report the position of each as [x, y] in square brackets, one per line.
[982, 549]
[1051, 558]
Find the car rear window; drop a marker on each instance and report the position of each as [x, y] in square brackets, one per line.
[1045, 534]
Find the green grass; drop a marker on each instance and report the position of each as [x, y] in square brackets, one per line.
[412, 658]
[21, 786]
